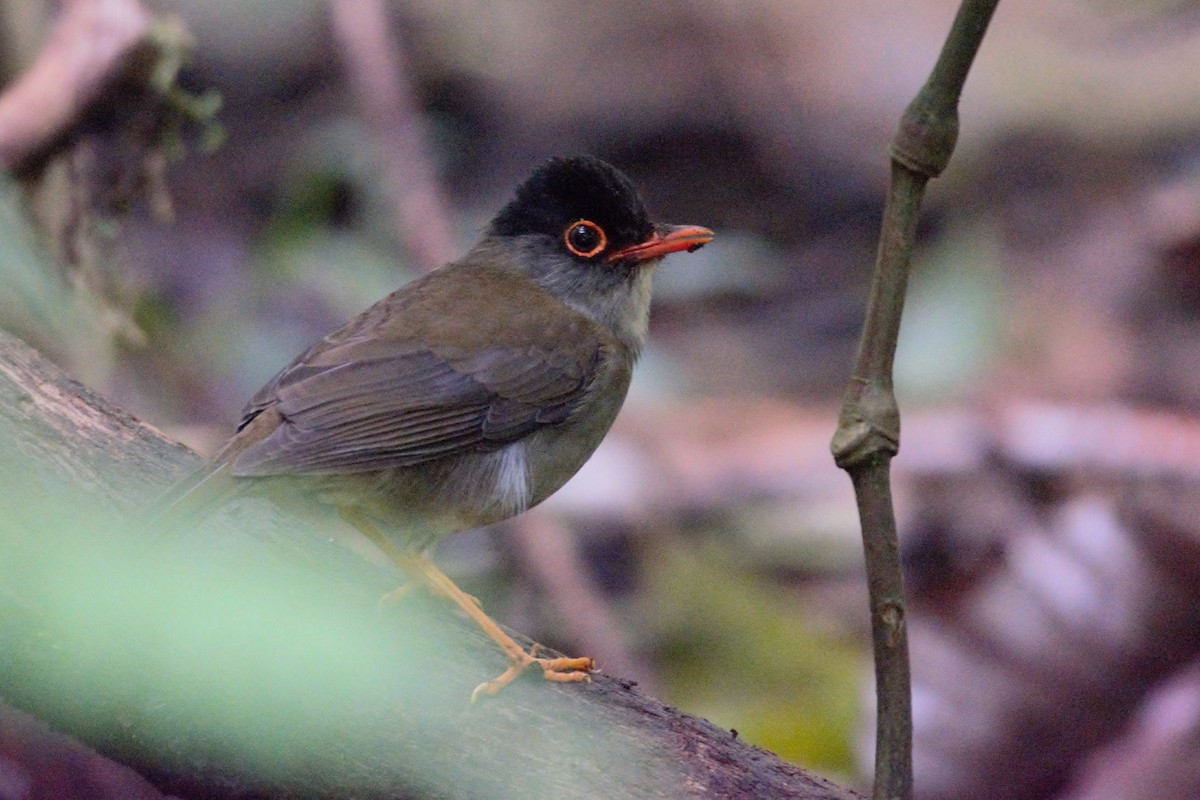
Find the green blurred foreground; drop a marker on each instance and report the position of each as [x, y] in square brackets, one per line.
[218, 653]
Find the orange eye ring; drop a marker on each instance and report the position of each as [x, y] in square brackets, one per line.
[585, 238]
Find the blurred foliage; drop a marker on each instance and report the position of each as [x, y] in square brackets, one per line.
[66, 321]
[331, 234]
[952, 331]
[744, 655]
[199, 109]
[182, 109]
[214, 649]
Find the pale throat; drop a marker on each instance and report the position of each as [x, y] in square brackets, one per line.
[619, 304]
[624, 310]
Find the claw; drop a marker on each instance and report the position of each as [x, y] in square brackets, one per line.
[560, 670]
[401, 592]
[396, 595]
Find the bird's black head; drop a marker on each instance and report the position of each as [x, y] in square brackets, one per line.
[585, 204]
[579, 229]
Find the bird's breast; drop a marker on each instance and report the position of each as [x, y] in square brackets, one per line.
[554, 454]
[427, 502]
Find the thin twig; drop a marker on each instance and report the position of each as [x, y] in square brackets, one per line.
[377, 71]
[868, 433]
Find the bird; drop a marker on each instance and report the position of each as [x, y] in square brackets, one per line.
[470, 394]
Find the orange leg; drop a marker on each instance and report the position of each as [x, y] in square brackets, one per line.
[564, 670]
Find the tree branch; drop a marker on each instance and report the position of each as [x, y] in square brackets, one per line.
[250, 655]
[40, 764]
[868, 433]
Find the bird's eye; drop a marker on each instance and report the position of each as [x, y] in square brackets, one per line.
[585, 238]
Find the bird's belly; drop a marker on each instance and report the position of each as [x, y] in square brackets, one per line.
[555, 454]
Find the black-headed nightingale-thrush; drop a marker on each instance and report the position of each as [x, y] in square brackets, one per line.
[472, 393]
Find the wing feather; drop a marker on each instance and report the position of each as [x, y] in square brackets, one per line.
[416, 406]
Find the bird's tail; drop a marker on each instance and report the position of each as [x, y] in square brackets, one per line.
[193, 498]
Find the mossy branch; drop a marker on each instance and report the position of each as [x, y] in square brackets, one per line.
[250, 656]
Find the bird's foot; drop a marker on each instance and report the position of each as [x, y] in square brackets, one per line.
[561, 670]
[396, 595]
[456, 598]
[401, 592]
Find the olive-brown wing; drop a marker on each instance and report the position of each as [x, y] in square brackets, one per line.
[351, 414]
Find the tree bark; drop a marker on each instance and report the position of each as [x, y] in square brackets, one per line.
[249, 655]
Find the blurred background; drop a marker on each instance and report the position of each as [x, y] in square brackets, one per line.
[1048, 373]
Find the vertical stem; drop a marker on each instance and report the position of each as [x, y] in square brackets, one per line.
[867, 438]
[868, 433]
[881, 330]
[889, 634]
